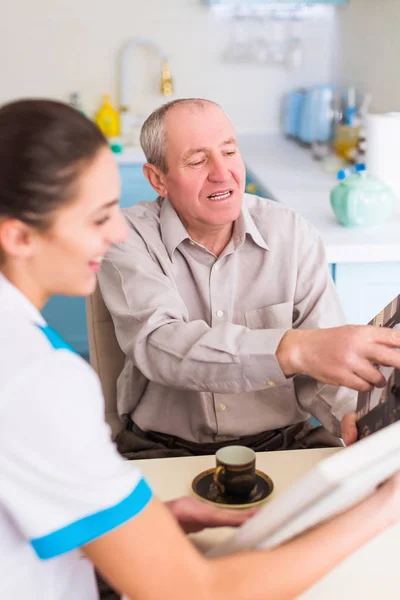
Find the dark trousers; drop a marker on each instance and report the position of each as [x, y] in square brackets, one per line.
[133, 443]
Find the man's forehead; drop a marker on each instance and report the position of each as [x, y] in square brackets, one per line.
[183, 122]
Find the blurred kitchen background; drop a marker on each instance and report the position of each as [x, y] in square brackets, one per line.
[52, 48]
[311, 87]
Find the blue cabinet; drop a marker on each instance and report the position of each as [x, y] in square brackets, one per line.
[253, 186]
[135, 186]
[68, 315]
[332, 269]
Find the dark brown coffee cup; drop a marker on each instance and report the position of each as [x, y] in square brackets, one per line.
[235, 473]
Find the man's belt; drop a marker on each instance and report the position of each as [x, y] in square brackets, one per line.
[276, 439]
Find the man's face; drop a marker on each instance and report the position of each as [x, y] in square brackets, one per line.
[206, 174]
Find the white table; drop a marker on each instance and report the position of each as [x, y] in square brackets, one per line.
[370, 573]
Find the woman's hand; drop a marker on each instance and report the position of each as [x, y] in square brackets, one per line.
[349, 428]
[193, 515]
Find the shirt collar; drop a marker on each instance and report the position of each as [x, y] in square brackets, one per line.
[244, 226]
[15, 301]
[173, 231]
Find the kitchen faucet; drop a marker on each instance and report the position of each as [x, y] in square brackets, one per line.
[127, 119]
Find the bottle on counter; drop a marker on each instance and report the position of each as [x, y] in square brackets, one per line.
[345, 142]
[351, 106]
[107, 118]
[350, 136]
[361, 150]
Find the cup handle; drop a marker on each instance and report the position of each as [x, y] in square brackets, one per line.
[219, 471]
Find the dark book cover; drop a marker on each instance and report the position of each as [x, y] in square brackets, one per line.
[381, 406]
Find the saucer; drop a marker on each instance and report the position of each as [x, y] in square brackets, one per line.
[204, 488]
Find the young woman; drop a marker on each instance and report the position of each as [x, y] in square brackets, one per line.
[64, 506]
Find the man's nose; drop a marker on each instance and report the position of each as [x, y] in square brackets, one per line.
[218, 170]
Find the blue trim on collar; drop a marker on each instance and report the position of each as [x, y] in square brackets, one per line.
[85, 530]
[55, 338]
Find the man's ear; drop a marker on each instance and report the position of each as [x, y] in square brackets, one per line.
[156, 179]
[16, 238]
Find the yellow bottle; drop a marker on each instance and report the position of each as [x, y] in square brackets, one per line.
[346, 140]
[107, 118]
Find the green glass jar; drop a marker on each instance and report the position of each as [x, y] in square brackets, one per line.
[360, 200]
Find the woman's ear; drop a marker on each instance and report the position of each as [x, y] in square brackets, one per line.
[16, 238]
[156, 179]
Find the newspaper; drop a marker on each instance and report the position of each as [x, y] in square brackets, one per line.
[381, 406]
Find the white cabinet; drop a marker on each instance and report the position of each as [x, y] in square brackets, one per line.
[365, 288]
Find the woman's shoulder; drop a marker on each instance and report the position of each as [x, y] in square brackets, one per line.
[25, 344]
[37, 365]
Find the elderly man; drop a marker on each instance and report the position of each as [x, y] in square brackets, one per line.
[218, 299]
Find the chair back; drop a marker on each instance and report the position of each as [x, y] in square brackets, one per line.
[106, 357]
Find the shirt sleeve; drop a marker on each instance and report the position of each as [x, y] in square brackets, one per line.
[316, 305]
[63, 481]
[153, 329]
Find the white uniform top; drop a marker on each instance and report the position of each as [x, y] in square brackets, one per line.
[62, 482]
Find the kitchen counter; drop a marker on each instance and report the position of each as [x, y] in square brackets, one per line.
[294, 178]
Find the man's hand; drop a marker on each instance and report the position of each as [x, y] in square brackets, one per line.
[193, 515]
[349, 428]
[341, 355]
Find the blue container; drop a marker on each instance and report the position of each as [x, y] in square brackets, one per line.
[292, 108]
[316, 119]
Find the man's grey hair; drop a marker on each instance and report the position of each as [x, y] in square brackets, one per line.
[152, 136]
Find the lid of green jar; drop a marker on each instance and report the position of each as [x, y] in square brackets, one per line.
[364, 182]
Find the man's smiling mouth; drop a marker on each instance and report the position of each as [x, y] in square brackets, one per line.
[220, 195]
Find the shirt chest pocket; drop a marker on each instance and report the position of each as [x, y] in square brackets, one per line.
[276, 316]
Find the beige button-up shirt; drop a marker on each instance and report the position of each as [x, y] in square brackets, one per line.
[200, 332]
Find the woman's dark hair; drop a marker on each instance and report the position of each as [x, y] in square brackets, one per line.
[44, 145]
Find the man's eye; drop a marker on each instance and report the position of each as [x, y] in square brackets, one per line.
[231, 152]
[101, 221]
[198, 163]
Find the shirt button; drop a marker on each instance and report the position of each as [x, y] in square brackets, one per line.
[220, 314]
[192, 243]
[270, 383]
[222, 407]
[217, 266]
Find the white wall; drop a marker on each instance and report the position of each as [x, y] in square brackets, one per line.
[54, 47]
[367, 50]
